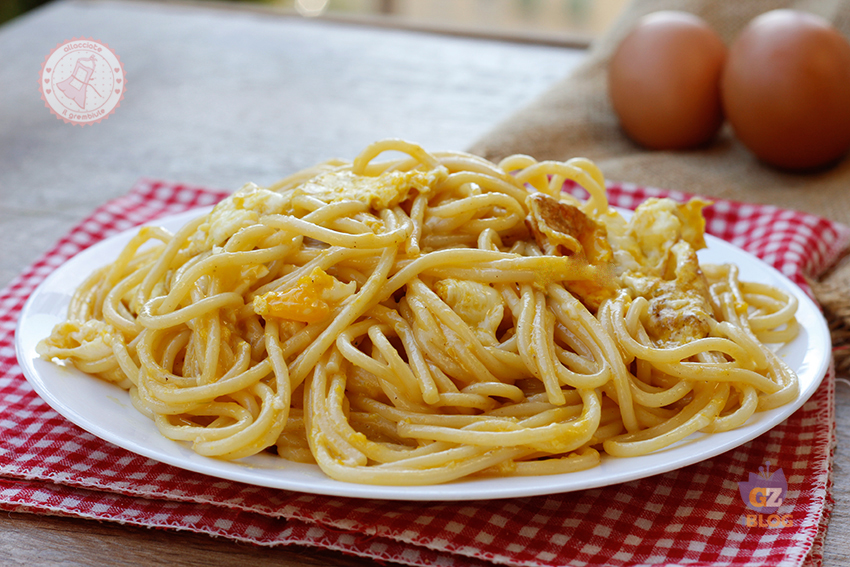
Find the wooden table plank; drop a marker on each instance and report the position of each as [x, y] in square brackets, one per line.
[29, 540]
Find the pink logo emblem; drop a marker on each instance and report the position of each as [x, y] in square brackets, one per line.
[82, 81]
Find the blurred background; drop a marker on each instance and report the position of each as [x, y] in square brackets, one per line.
[543, 21]
[10, 9]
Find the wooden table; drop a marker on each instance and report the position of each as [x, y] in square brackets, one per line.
[219, 97]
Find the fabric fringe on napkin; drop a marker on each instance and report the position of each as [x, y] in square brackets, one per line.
[575, 118]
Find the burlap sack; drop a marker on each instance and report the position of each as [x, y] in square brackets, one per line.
[575, 118]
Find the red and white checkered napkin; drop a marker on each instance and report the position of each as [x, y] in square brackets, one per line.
[692, 516]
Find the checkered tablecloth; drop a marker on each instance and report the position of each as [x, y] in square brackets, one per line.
[692, 516]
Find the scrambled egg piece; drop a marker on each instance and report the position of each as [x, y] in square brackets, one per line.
[564, 230]
[679, 309]
[658, 224]
[249, 203]
[380, 192]
[661, 265]
[479, 305]
[240, 210]
[310, 300]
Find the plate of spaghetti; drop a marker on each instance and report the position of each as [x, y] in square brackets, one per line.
[432, 320]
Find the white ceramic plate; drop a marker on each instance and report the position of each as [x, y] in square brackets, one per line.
[105, 410]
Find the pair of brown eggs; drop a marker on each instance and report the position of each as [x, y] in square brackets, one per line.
[783, 85]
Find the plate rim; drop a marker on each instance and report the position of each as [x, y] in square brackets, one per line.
[246, 470]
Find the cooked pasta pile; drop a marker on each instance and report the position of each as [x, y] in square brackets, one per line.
[424, 318]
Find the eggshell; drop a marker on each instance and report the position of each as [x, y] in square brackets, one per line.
[663, 81]
[786, 90]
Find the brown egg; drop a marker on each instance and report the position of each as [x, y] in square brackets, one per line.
[786, 90]
[664, 79]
